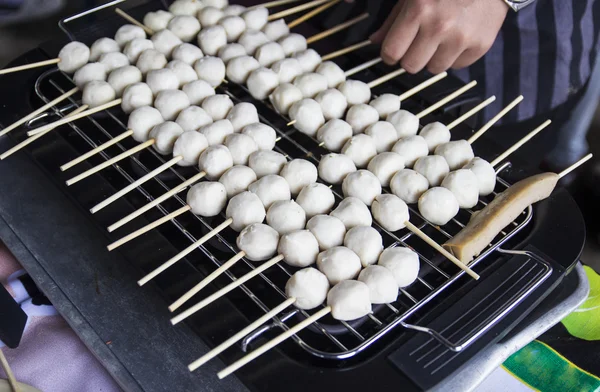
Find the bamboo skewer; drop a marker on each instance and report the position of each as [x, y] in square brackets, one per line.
[347, 50]
[363, 66]
[294, 10]
[29, 66]
[96, 150]
[471, 112]
[12, 381]
[447, 99]
[518, 144]
[132, 20]
[273, 4]
[575, 165]
[385, 78]
[495, 119]
[312, 13]
[422, 86]
[333, 30]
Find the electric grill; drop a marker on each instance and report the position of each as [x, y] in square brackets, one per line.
[437, 329]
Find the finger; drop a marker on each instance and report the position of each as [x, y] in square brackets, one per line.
[468, 57]
[380, 34]
[399, 38]
[444, 57]
[419, 53]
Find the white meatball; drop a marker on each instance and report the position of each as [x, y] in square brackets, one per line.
[231, 51]
[308, 116]
[284, 96]
[127, 33]
[333, 103]
[187, 53]
[142, 120]
[349, 300]
[309, 286]
[316, 199]
[193, 118]
[435, 134]
[276, 29]
[88, 73]
[241, 146]
[386, 104]
[113, 60]
[363, 185]
[215, 161]
[157, 20]
[207, 198]
[366, 242]
[150, 59]
[135, 47]
[265, 162]
[384, 165]
[438, 205]
[252, 40]
[299, 248]
[334, 134]
[262, 82]
[406, 123]
[353, 212]
[311, 84]
[485, 173]
[122, 77]
[189, 146]
[197, 91]
[286, 216]
[234, 27]
[333, 168]
[161, 79]
[102, 46]
[383, 288]
[271, 188]
[237, 179]
[411, 148]
[211, 39]
[258, 241]
[457, 153]
[234, 9]
[185, 7]
[390, 212]
[210, 16]
[361, 149]
[170, 103]
[211, 69]
[220, 4]
[269, 53]
[464, 185]
[383, 134]
[287, 69]
[239, 68]
[334, 74]
[256, 17]
[299, 173]
[217, 106]
[409, 185]
[338, 263]
[135, 96]
[355, 91]
[242, 114]
[216, 132]
[361, 116]
[403, 263]
[164, 136]
[433, 167]
[165, 41]
[97, 93]
[263, 135]
[183, 71]
[73, 56]
[309, 60]
[245, 209]
[328, 230]
[293, 43]
[185, 27]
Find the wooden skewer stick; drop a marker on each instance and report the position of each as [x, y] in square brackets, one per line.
[12, 381]
[96, 150]
[495, 119]
[385, 78]
[422, 86]
[274, 342]
[294, 10]
[273, 4]
[38, 111]
[29, 66]
[235, 338]
[291, 123]
[30, 140]
[197, 288]
[363, 66]
[447, 99]
[312, 13]
[347, 50]
[333, 30]
[575, 165]
[238, 282]
[185, 252]
[471, 112]
[518, 144]
[148, 227]
[110, 162]
[132, 20]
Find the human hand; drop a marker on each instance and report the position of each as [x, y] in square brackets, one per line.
[439, 34]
